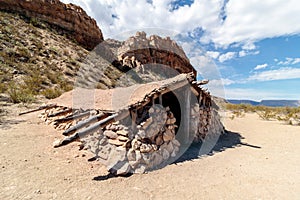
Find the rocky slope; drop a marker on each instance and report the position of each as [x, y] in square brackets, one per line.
[40, 55]
[36, 60]
[68, 18]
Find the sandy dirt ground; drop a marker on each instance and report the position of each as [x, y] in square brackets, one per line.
[264, 164]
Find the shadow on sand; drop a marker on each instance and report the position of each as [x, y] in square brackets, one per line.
[229, 140]
[8, 123]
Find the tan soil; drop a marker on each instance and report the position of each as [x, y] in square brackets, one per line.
[31, 169]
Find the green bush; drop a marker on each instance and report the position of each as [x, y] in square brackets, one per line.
[33, 83]
[19, 94]
[52, 93]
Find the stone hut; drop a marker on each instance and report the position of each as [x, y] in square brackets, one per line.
[138, 128]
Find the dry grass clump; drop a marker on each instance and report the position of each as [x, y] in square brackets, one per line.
[289, 115]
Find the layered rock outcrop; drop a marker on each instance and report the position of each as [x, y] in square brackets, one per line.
[140, 50]
[68, 17]
[140, 59]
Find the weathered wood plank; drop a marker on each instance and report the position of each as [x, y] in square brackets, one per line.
[84, 123]
[39, 108]
[72, 117]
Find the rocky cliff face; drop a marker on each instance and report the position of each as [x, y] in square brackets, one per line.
[67, 17]
[139, 50]
[34, 49]
[140, 59]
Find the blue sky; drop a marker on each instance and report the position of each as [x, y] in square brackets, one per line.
[247, 49]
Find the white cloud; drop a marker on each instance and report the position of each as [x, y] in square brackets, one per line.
[213, 54]
[278, 74]
[227, 56]
[246, 21]
[205, 67]
[221, 82]
[261, 66]
[142, 14]
[258, 94]
[289, 61]
[296, 60]
[249, 46]
[242, 53]
[203, 63]
[255, 20]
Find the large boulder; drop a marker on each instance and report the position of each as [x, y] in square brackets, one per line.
[70, 18]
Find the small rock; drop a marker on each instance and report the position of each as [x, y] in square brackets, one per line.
[173, 154]
[103, 141]
[136, 144]
[141, 133]
[147, 158]
[15, 71]
[165, 154]
[157, 159]
[168, 135]
[56, 143]
[131, 155]
[116, 158]
[108, 127]
[38, 192]
[104, 152]
[169, 147]
[115, 142]
[152, 130]
[159, 140]
[170, 115]
[171, 121]
[176, 142]
[110, 134]
[146, 124]
[140, 169]
[151, 110]
[145, 148]
[138, 155]
[154, 147]
[122, 132]
[124, 169]
[113, 127]
[122, 138]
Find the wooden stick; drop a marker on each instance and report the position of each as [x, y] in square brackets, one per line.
[60, 112]
[84, 123]
[72, 117]
[38, 109]
[91, 129]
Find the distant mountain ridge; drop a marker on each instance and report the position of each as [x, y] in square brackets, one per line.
[271, 103]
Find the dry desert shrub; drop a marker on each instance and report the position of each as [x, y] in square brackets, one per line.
[288, 115]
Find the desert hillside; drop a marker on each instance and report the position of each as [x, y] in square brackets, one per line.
[44, 54]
